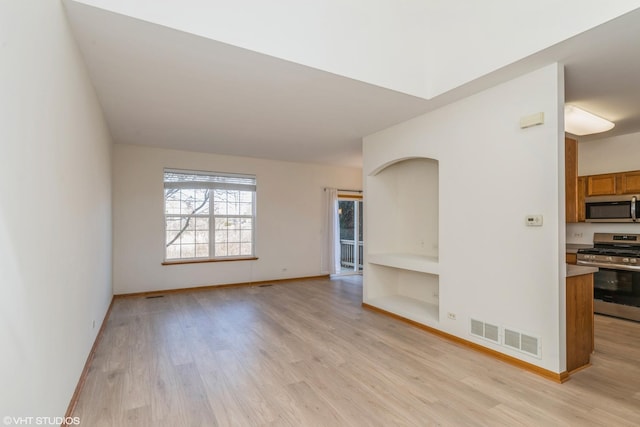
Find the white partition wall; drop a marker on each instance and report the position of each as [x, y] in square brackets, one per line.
[446, 239]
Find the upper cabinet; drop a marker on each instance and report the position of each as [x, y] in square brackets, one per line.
[613, 183]
[630, 182]
[572, 203]
[582, 189]
[602, 185]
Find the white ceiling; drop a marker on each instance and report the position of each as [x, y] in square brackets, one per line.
[165, 88]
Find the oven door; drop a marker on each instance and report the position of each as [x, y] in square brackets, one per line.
[617, 293]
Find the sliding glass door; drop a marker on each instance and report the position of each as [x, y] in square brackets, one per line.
[350, 221]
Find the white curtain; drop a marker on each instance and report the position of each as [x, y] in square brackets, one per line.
[331, 236]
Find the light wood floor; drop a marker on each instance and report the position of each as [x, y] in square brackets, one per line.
[306, 354]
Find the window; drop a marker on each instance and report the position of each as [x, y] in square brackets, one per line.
[209, 215]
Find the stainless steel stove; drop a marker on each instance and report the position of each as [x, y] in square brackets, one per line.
[617, 283]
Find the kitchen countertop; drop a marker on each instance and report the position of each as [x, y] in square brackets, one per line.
[572, 248]
[579, 270]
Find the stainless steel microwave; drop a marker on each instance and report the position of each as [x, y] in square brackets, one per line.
[625, 208]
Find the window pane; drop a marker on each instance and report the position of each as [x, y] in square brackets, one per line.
[221, 236]
[220, 202]
[187, 237]
[246, 236]
[245, 249]
[202, 236]
[246, 209]
[345, 212]
[173, 224]
[202, 224]
[202, 251]
[172, 207]
[234, 236]
[246, 196]
[173, 251]
[187, 251]
[172, 194]
[171, 236]
[233, 223]
[233, 249]
[232, 205]
[221, 249]
[360, 220]
[202, 200]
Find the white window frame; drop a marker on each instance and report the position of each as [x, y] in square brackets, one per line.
[212, 181]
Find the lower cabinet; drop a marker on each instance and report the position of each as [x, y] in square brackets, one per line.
[580, 343]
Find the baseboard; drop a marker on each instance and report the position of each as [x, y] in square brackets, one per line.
[225, 286]
[550, 375]
[87, 366]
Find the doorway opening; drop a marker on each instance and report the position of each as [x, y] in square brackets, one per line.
[350, 211]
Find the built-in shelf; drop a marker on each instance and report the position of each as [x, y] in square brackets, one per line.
[402, 199]
[405, 261]
[407, 307]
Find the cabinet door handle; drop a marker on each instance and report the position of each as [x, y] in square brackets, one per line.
[633, 208]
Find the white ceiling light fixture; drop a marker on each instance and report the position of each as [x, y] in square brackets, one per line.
[580, 122]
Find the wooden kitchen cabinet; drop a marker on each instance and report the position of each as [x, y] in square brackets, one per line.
[572, 258]
[630, 182]
[580, 322]
[571, 179]
[602, 185]
[582, 190]
[609, 184]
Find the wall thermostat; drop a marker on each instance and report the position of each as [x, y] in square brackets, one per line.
[534, 220]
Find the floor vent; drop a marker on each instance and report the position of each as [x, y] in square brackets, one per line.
[522, 342]
[154, 296]
[485, 330]
[264, 286]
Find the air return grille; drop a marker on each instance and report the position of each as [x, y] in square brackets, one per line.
[511, 338]
[522, 342]
[485, 330]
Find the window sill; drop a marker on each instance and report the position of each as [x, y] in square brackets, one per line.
[199, 261]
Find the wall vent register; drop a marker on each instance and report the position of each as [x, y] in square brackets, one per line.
[485, 330]
[516, 340]
[522, 342]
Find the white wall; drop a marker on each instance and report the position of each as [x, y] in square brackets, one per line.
[606, 155]
[289, 219]
[419, 47]
[55, 226]
[491, 175]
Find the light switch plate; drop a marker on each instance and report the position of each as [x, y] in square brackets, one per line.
[533, 220]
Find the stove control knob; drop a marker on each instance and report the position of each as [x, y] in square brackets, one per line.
[610, 259]
[633, 261]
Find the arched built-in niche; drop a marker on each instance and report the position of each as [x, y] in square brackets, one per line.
[402, 239]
